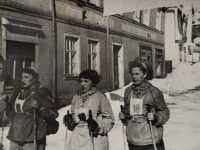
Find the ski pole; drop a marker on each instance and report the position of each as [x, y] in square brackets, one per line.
[123, 129]
[3, 117]
[91, 133]
[66, 134]
[92, 139]
[151, 129]
[35, 130]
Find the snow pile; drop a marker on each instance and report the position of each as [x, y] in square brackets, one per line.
[185, 77]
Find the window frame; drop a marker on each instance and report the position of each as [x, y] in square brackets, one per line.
[145, 15]
[136, 17]
[158, 21]
[96, 54]
[76, 58]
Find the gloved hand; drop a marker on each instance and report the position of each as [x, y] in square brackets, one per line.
[92, 125]
[67, 119]
[82, 117]
[151, 116]
[122, 115]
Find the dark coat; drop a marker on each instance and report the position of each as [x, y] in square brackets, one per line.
[22, 123]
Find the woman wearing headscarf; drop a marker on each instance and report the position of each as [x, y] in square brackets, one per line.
[92, 117]
[145, 111]
[28, 97]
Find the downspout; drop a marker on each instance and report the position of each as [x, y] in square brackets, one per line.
[108, 56]
[54, 44]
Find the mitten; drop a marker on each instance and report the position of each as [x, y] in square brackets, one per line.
[92, 124]
[124, 113]
[82, 117]
[67, 119]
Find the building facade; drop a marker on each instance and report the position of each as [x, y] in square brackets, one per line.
[85, 39]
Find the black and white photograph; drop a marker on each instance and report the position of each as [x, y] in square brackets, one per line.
[99, 74]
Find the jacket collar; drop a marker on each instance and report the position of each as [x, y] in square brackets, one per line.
[140, 90]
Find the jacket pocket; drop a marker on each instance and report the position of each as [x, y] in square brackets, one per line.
[158, 133]
[22, 129]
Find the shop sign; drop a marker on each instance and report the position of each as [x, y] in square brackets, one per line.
[137, 31]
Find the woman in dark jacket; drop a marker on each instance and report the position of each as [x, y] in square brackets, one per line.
[29, 97]
[145, 110]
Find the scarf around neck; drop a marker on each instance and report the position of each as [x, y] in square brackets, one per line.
[140, 90]
[84, 96]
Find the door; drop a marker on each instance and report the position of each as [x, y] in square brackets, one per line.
[116, 50]
[18, 55]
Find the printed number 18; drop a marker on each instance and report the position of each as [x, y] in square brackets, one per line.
[136, 108]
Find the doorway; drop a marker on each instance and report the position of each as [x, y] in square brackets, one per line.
[118, 66]
[18, 55]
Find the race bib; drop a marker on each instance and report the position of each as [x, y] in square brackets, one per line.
[136, 107]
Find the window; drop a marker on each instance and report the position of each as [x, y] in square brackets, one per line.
[18, 55]
[71, 56]
[158, 19]
[159, 63]
[146, 55]
[144, 17]
[93, 55]
[136, 16]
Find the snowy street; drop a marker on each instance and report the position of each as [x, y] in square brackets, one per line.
[181, 132]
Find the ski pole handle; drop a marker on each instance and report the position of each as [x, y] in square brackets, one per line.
[122, 108]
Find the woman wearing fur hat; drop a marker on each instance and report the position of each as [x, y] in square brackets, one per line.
[92, 117]
[144, 104]
[29, 97]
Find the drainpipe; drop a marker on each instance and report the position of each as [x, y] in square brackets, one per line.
[108, 56]
[54, 44]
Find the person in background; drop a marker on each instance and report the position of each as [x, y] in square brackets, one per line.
[143, 103]
[26, 98]
[92, 117]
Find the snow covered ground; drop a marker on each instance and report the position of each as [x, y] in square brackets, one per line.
[181, 132]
